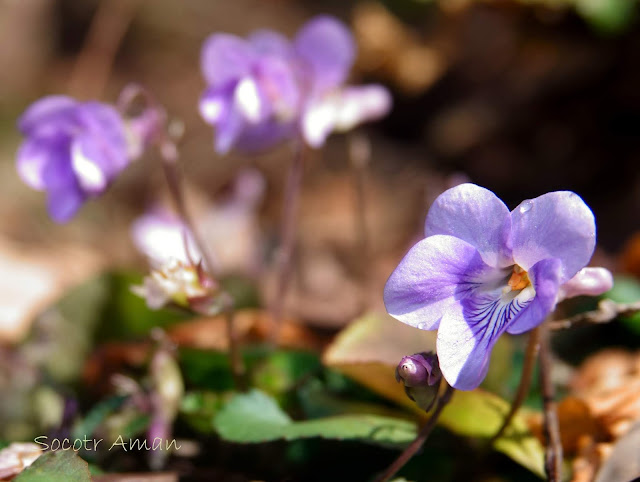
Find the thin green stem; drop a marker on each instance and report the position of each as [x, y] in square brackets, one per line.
[287, 235]
[359, 156]
[531, 353]
[419, 441]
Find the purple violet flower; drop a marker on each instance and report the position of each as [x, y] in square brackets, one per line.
[265, 89]
[73, 150]
[482, 271]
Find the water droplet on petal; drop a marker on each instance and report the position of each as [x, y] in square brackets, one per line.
[422, 326]
[525, 206]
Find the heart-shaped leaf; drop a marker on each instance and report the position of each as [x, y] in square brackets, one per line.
[255, 417]
[57, 466]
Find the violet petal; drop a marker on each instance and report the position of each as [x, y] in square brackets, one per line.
[475, 215]
[545, 276]
[225, 58]
[589, 282]
[45, 111]
[328, 47]
[469, 331]
[554, 225]
[431, 279]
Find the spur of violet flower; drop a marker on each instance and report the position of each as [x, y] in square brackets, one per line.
[73, 150]
[482, 271]
[266, 88]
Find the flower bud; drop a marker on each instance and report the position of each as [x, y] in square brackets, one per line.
[421, 376]
[181, 284]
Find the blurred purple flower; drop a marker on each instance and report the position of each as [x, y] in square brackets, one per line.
[162, 236]
[482, 271]
[265, 89]
[73, 150]
[230, 227]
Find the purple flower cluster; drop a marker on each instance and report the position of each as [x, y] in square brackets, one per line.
[72, 150]
[482, 271]
[266, 88]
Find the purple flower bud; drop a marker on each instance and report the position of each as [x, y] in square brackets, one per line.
[73, 150]
[419, 369]
[421, 376]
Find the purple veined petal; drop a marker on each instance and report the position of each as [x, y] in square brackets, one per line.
[361, 104]
[160, 235]
[326, 45]
[432, 279]
[589, 282]
[44, 111]
[477, 216]
[268, 42]
[554, 225]
[64, 202]
[545, 277]
[226, 58]
[469, 330]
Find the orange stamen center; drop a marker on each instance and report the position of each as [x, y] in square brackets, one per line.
[519, 279]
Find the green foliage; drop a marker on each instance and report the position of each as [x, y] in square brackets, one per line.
[127, 315]
[255, 417]
[369, 350]
[199, 408]
[626, 290]
[605, 16]
[58, 466]
[97, 415]
[282, 370]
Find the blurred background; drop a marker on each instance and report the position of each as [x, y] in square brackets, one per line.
[520, 96]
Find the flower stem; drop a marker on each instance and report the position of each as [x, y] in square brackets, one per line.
[422, 436]
[177, 194]
[359, 156]
[235, 357]
[608, 310]
[531, 353]
[106, 31]
[174, 181]
[553, 444]
[287, 235]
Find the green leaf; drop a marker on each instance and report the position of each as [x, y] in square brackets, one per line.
[199, 408]
[283, 369]
[58, 466]
[607, 16]
[69, 325]
[255, 417]
[368, 351]
[626, 290]
[97, 415]
[127, 315]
